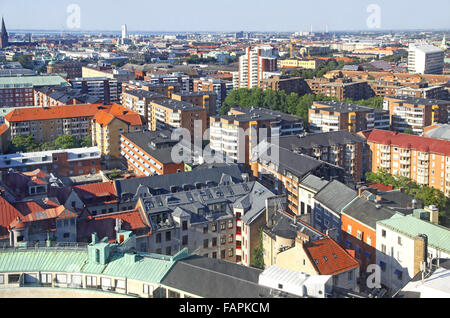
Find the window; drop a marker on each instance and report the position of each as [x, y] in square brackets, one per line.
[213, 227]
[358, 235]
[214, 241]
[222, 254]
[148, 290]
[223, 240]
[168, 236]
[280, 286]
[350, 275]
[230, 224]
[184, 225]
[66, 235]
[369, 240]
[205, 229]
[383, 233]
[61, 278]
[46, 278]
[214, 255]
[230, 252]
[399, 241]
[168, 250]
[349, 229]
[383, 248]
[222, 226]
[185, 240]
[2, 279]
[158, 238]
[205, 243]
[230, 238]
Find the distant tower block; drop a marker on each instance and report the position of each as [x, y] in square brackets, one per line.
[124, 31]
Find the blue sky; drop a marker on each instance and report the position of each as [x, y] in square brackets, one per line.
[226, 15]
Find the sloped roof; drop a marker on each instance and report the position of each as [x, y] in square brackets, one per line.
[335, 196]
[438, 236]
[424, 144]
[8, 214]
[337, 259]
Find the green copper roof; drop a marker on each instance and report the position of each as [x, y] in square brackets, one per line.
[32, 81]
[146, 267]
[438, 236]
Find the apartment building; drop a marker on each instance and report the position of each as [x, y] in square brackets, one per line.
[149, 152]
[254, 66]
[183, 80]
[404, 244]
[220, 221]
[422, 90]
[340, 148]
[19, 90]
[205, 100]
[422, 159]
[106, 70]
[284, 173]
[287, 84]
[139, 101]
[62, 163]
[71, 69]
[108, 125]
[340, 88]
[334, 116]
[216, 85]
[425, 59]
[106, 89]
[59, 96]
[172, 114]
[48, 123]
[225, 134]
[416, 113]
[392, 77]
[298, 63]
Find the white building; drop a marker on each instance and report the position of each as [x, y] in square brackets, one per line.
[254, 64]
[300, 284]
[124, 31]
[400, 249]
[425, 59]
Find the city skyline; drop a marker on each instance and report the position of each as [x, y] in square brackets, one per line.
[287, 16]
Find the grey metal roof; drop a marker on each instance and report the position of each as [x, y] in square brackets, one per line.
[165, 182]
[284, 226]
[335, 196]
[331, 138]
[367, 212]
[214, 278]
[442, 131]
[314, 183]
[157, 144]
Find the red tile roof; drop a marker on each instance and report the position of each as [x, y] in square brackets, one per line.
[337, 259]
[3, 128]
[104, 117]
[423, 144]
[102, 191]
[381, 187]
[54, 112]
[8, 214]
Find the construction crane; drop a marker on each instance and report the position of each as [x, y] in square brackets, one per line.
[291, 49]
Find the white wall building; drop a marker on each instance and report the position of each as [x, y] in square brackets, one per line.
[425, 59]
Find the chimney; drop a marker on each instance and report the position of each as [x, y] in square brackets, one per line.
[94, 238]
[295, 218]
[301, 238]
[434, 213]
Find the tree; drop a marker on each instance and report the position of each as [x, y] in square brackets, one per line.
[66, 142]
[257, 260]
[408, 131]
[86, 141]
[22, 143]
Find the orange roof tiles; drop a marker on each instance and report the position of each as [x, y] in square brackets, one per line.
[54, 112]
[3, 128]
[8, 214]
[97, 191]
[104, 117]
[329, 257]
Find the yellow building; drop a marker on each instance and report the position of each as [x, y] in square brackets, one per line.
[292, 63]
